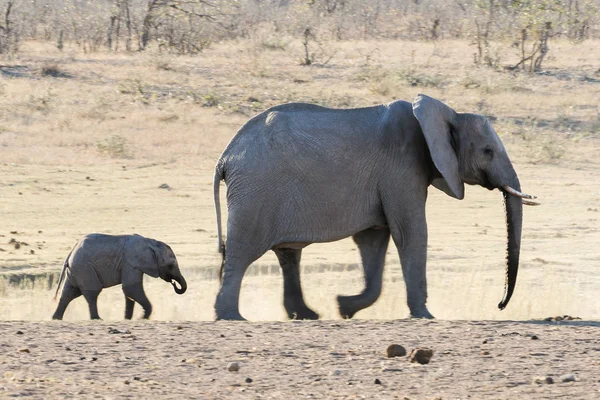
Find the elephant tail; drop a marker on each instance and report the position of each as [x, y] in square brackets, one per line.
[219, 176]
[63, 274]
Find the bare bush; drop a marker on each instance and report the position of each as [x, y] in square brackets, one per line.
[9, 34]
[189, 27]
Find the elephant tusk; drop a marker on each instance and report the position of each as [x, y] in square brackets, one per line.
[530, 203]
[517, 193]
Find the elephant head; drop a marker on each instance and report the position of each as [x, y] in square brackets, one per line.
[168, 268]
[158, 260]
[465, 149]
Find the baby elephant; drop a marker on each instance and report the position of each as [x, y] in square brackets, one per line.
[99, 261]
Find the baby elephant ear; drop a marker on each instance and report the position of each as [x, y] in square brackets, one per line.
[436, 120]
[142, 254]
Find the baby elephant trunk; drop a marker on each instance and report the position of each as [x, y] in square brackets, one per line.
[182, 283]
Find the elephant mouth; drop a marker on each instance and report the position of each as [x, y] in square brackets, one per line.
[525, 198]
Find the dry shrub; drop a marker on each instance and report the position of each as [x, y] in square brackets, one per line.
[114, 146]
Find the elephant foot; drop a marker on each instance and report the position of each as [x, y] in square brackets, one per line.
[57, 317]
[303, 313]
[347, 306]
[423, 313]
[230, 316]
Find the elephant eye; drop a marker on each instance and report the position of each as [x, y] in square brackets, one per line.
[488, 152]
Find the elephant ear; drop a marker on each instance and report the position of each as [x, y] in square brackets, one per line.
[436, 120]
[142, 254]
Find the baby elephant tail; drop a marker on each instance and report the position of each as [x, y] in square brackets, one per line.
[63, 274]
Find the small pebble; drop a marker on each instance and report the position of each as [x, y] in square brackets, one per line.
[567, 378]
[336, 372]
[19, 332]
[24, 350]
[377, 381]
[542, 379]
[233, 367]
[248, 380]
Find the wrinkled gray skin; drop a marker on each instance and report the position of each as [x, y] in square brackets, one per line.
[299, 173]
[99, 261]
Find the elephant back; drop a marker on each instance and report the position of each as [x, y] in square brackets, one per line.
[96, 262]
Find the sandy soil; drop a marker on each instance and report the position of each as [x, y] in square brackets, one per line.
[325, 359]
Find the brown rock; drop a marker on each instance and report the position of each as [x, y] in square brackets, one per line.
[395, 350]
[421, 355]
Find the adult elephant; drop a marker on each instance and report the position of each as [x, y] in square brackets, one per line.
[298, 174]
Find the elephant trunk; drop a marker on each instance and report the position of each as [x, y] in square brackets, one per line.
[182, 283]
[514, 219]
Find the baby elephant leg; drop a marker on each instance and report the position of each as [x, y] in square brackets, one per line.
[91, 296]
[135, 292]
[69, 293]
[129, 304]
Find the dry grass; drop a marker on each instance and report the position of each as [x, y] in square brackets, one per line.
[84, 149]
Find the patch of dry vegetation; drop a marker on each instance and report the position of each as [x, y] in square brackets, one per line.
[63, 109]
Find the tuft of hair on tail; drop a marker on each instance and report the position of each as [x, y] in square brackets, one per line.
[222, 251]
[219, 175]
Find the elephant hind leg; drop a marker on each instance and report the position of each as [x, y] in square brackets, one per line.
[91, 296]
[228, 298]
[69, 293]
[293, 300]
[237, 261]
[372, 244]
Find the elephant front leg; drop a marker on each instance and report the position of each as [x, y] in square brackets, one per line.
[293, 300]
[135, 293]
[372, 244]
[411, 242]
[91, 296]
[129, 305]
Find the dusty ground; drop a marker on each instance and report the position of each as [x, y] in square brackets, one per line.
[325, 359]
[87, 148]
